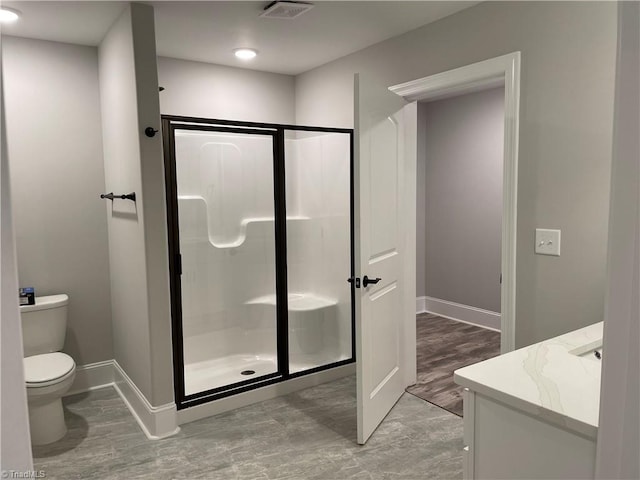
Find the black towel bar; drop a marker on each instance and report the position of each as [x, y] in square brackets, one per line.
[110, 196]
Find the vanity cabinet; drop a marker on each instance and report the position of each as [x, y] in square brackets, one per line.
[501, 442]
[533, 413]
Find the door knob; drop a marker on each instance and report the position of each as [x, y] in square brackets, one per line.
[368, 281]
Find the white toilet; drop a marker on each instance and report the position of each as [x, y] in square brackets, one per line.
[48, 372]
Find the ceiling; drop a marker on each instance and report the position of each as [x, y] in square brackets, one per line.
[208, 31]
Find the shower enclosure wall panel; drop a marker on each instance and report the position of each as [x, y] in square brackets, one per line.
[226, 211]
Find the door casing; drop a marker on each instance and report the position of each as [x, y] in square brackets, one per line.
[494, 72]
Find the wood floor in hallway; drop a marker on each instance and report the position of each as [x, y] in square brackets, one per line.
[443, 346]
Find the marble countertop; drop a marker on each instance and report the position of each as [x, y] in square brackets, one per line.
[557, 379]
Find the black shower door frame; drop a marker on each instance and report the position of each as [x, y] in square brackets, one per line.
[171, 123]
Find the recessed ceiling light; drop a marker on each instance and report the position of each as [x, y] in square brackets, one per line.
[245, 53]
[8, 15]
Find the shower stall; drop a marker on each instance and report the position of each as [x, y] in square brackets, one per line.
[261, 247]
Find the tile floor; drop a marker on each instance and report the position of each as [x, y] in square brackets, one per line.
[309, 434]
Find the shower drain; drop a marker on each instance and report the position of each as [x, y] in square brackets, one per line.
[247, 372]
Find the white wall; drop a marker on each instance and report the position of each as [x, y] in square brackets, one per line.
[565, 134]
[421, 181]
[205, 90]
[137, 231]
[57, 174]
[15, 443]
[619, 430]
[463, 156]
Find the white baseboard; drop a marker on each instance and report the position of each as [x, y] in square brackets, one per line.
[155, 422]
[163, 421]
[265, 393]
[461, 313]
[91, 377]
[421, 305]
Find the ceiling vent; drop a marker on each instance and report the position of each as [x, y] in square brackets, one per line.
[286, 10]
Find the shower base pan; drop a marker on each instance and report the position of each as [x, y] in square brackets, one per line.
[220, 372]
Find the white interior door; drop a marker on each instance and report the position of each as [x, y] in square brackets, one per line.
[385, 250]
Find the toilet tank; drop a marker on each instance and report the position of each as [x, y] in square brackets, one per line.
[44, 325]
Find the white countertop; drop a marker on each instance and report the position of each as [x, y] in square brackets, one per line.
[546, 379]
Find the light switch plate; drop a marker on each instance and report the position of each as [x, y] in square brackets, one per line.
[547, 242]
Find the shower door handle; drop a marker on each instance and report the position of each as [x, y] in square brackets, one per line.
[369, 281]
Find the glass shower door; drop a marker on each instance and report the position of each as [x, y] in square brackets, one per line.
[318, 183]
[225, 194]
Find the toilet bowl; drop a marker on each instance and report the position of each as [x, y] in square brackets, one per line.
[48, 377]
[48, 372]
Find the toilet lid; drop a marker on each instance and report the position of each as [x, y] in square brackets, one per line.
[47, 367]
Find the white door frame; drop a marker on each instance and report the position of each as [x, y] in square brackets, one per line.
[503, 70]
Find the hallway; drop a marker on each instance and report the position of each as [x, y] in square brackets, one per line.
[443, 346]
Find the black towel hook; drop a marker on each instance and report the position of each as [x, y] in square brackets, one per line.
[150, 132]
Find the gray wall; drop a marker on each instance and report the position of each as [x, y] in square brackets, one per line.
[214, 91]
[55, 150]
[15, 439]
[463, 156]
[137, 232]
[567, 86]
[153, 201]
[619, 422]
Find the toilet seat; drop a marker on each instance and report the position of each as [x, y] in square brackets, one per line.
[47, 369]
